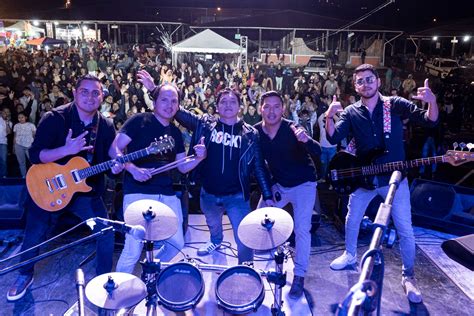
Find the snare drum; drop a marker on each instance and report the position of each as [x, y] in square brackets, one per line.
[180, 287]
[239, 290]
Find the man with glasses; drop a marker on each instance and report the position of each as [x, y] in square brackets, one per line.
[287, 149]
[376, 122]
[74, 129]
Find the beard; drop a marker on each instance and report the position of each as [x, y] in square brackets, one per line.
[368, 94]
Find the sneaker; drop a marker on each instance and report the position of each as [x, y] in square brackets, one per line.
[411, 289]
[297, 288]
[18, 289]
[346, 259]
[208, 248]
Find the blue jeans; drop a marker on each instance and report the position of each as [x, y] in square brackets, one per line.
[3, 160]
[401, 215]
[429, 149]
[39, 221]
[237, 208]
[326, 155]
[132, 249]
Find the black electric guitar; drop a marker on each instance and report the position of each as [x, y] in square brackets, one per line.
[348, 172]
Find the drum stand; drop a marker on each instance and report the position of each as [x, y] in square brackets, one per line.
[279, 279]
[150, 270]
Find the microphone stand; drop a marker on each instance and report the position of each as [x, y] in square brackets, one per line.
[360, 299]
[57, 250]
[80, 283]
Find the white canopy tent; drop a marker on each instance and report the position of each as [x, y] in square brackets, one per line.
[24, 26]
[206, 42]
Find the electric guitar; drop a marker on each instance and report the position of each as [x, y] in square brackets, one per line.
[52, 186]
[347, 172]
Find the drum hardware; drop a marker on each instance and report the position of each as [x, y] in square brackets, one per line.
[115, 291]
[265, 228]
[180, 286]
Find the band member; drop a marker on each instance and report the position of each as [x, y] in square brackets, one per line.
[376, 122]
[233, 152]
[139, 183]
[287, 149]
[73, 129]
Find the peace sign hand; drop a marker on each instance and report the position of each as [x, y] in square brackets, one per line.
[425, 94]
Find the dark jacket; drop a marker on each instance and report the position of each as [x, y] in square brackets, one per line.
[250, 154]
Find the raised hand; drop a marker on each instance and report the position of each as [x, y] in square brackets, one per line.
[75, 145]
[425, 94]
[334, 107]
[200, 149]
[300, 133]
[146, 79]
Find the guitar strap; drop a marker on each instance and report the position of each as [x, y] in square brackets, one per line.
[93, 137]
[387, 126]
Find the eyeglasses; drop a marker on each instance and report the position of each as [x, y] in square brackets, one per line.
[368, 80]
[85, 93]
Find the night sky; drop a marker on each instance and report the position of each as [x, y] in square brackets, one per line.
[403, 14]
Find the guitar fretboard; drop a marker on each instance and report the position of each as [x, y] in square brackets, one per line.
[387, 167]
[93, 170]
[400, 165]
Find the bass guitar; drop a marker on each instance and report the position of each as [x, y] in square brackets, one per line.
[347, 172]
[52, 186]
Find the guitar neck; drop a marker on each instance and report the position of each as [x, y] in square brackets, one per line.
[102, 167]
[400, 165]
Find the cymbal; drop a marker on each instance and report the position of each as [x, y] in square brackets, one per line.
[265, 228]
[158, 219]
[124, 290]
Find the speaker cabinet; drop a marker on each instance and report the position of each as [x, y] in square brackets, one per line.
[13, 194]
[442, 206]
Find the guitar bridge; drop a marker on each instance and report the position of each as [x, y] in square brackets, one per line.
[334, 176]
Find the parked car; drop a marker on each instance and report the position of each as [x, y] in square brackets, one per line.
[440, 67]
[460, 76]
[317, 65]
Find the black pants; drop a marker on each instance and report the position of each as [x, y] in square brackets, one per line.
[39, 221]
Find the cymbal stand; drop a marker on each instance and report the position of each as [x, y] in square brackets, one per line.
[278, 277]
[151, 267]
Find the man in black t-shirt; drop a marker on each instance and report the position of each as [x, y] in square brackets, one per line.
[137, 133]
[287, 149]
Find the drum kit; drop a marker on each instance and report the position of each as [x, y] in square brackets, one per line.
[180, 286]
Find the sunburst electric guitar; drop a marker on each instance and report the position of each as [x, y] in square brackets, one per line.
[52, 186]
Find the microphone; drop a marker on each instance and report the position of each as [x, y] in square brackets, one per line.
[80, 283]
[136, 231]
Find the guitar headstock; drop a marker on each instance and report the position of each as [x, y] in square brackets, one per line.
[458, 157]
[164, 144]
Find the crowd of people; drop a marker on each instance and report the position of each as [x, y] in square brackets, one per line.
[33, 83]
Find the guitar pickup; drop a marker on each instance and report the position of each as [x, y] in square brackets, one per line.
[48, 184]
[75, 176]
[60, 181]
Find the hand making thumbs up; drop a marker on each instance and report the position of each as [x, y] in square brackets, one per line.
[334, 108]
[200, 149]
[425, 94]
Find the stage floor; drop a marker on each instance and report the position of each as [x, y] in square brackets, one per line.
[53, 291]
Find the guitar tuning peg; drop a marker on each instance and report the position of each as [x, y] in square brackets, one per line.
[470, 146]
[462, 145]
[455, 145]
